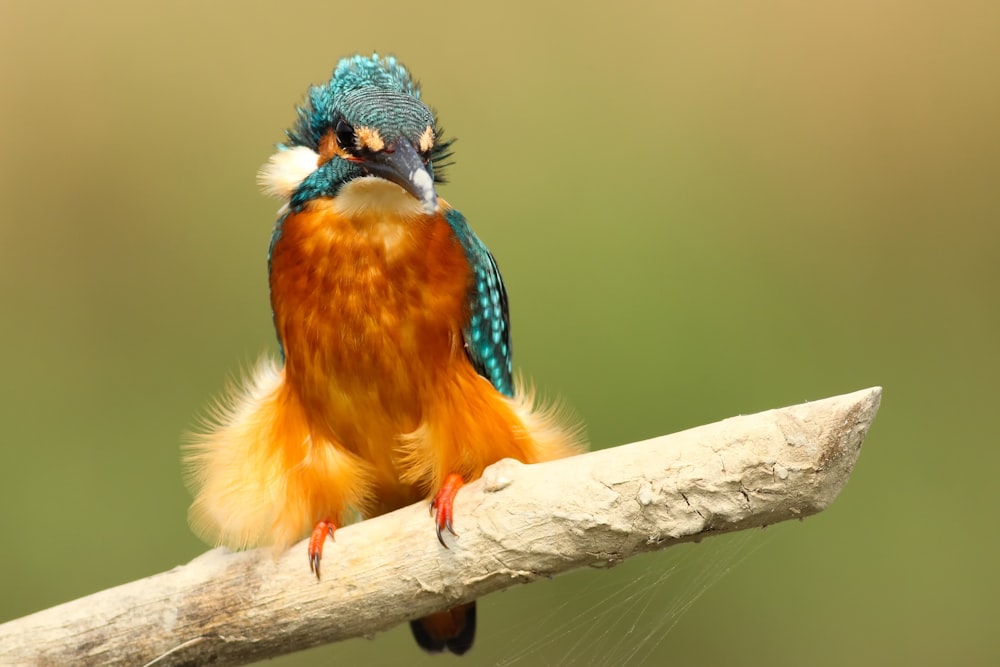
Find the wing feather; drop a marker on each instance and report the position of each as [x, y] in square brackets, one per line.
[487, 333]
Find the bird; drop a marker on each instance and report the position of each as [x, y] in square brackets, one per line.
[393, 383]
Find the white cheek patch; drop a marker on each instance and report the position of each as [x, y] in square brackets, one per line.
[284, 171]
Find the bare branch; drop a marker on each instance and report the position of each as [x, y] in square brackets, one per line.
[517, 524]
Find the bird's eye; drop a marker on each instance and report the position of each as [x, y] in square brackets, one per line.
[345, 136]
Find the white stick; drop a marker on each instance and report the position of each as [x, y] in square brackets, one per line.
[517, 524]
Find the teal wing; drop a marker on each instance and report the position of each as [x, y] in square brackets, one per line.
[487, 333]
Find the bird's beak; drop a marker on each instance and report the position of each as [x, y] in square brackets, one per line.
[401, 164]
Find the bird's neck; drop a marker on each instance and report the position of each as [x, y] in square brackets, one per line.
[380, 210]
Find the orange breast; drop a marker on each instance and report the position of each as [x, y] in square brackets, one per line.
[369, 312]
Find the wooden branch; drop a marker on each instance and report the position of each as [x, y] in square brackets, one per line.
[517, 524]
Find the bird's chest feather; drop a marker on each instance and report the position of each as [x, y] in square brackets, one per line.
[369, 305]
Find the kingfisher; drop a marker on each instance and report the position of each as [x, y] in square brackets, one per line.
[394, 383]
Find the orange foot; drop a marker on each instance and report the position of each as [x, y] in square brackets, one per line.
[441, 506]
[316, 541]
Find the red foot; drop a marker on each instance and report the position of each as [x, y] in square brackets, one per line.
[316, 541]
[441, 506]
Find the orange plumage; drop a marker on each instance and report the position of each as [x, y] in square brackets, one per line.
[395, 385]
[377, 402]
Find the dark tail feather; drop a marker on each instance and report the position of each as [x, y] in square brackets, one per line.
[453, 630]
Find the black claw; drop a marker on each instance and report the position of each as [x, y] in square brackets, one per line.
[314, 564]
[447, 525]
[437, 529]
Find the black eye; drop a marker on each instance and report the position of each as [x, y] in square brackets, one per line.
[345, 136]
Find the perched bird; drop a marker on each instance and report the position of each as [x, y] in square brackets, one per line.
[395, 380]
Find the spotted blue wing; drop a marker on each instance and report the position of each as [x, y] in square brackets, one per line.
[487, 333]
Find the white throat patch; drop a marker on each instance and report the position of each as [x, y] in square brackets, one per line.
[378, 198]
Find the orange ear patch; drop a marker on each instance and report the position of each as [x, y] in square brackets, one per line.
[426, 141]
[369, 138]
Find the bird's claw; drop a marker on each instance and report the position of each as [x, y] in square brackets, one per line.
[316, 541]
[442, 507]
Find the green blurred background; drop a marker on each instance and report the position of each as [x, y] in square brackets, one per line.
[700, 209]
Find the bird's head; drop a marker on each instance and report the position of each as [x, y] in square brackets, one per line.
[368, 121]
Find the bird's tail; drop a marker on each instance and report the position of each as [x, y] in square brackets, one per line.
[260, 475]
[453, 630]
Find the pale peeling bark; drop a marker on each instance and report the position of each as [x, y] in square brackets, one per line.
[519, 523]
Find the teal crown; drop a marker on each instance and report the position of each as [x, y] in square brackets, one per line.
[362, 72]
[373, 91]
